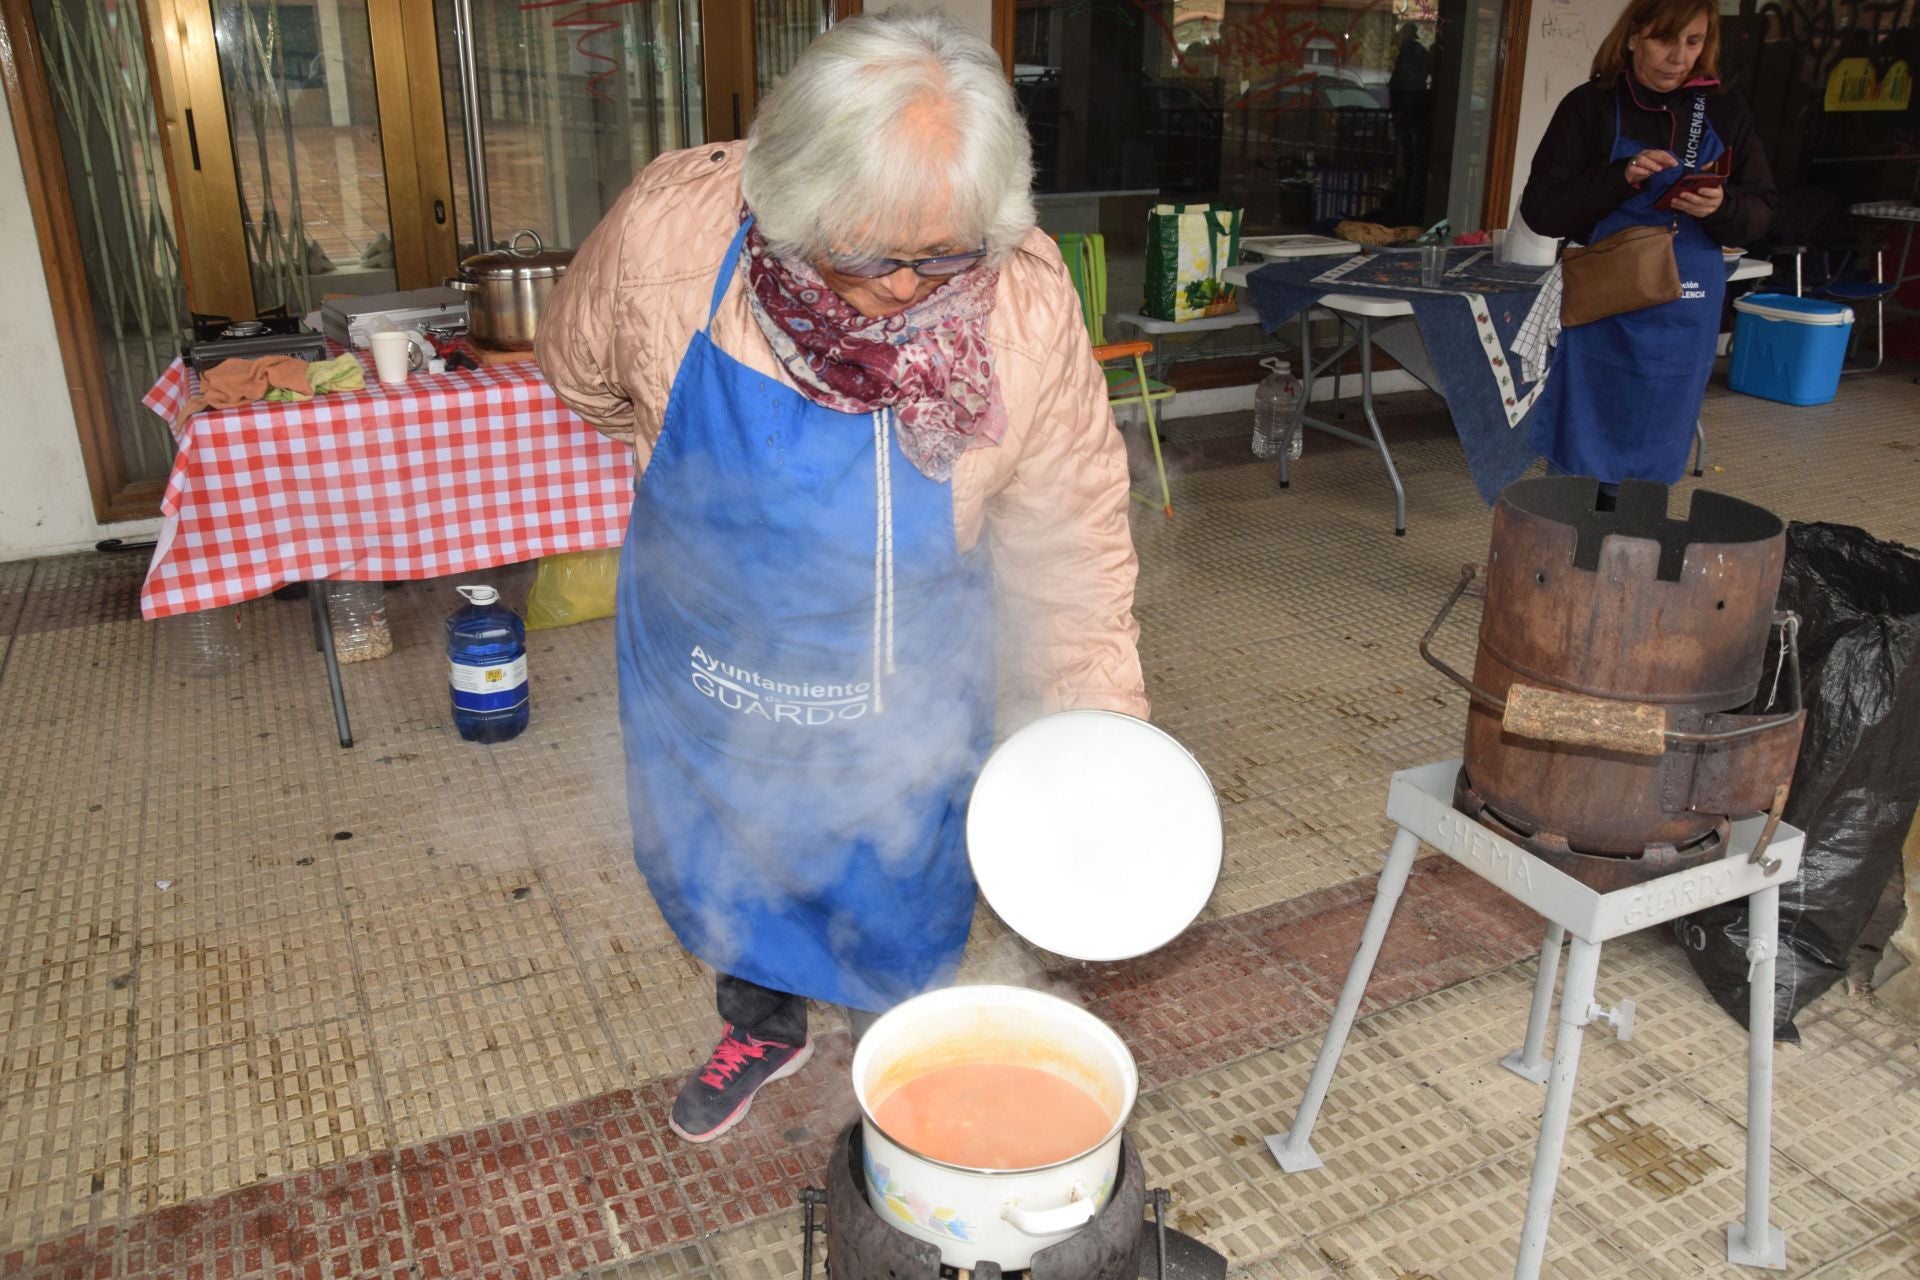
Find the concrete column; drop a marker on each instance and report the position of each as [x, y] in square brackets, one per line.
[334, 58]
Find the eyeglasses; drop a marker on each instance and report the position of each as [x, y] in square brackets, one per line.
[936, 268]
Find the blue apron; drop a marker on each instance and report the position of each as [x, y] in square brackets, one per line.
[1623, 394]
[806, 688]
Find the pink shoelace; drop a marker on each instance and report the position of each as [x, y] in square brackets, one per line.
[730, 1055]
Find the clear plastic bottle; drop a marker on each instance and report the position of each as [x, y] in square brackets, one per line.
[206, 642]
[358, 614]
[487, 657]
[1275, 402]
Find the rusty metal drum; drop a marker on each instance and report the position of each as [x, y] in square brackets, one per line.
[1621, 652]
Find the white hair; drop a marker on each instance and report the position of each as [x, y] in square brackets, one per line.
[841, 158]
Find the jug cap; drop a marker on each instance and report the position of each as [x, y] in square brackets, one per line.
[479, 595]
[1094, 835]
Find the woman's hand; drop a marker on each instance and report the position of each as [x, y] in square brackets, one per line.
[1647, 163]
[1700, 203]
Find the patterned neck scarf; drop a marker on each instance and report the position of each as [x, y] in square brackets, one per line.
[930, 364]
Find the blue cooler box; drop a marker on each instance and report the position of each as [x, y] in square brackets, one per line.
[1789, 349]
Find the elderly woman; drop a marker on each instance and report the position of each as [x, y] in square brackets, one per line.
[1623, 394]
[860, 391]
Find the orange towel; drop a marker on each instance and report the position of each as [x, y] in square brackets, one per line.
[237, 382]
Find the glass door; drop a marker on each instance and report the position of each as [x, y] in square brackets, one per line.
[782, 30]
[304, 169]
[305, 129]
[118, 215]
[569, 102]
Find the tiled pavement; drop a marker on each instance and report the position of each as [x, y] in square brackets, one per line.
[272, 1008]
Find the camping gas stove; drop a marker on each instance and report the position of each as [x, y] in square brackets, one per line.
[1121, 1243]
[271, 333]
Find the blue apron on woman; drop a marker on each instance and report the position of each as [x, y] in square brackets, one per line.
[1623, 394]
[806, 688]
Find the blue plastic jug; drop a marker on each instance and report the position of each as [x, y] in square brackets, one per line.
[487, 656]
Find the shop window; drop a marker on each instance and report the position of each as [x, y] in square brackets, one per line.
[1301, 113]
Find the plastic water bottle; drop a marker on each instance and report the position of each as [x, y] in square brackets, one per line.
[1275, 401]
[206, 642]
[357, 612]
[487, 655]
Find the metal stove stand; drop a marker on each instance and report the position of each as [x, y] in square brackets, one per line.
[1758, 861]
[1116, 1245]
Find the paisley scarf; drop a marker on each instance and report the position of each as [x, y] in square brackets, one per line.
[931, 363]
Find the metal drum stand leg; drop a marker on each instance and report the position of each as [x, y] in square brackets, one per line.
[1752, 1242]
[1526, 1061]
[1294, 1149]
[1420, 804]
[1576, 1011]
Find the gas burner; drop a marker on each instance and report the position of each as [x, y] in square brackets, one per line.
[271, 333]
[1119, 1244]
[1597, 870]
[212, 328]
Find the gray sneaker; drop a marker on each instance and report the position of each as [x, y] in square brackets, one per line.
[718, 1096]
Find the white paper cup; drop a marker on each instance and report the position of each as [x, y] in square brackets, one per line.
[393, 355]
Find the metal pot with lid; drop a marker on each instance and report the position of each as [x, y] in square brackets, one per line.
[506, 288]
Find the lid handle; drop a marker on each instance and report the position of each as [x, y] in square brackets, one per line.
[538, 243]
[479, 595]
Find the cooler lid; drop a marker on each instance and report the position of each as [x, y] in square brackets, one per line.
[1094, 835]
[1785, 306]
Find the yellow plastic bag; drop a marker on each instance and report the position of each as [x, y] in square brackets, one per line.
[576, 586]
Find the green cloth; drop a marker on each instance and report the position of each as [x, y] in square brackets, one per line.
[342, 373]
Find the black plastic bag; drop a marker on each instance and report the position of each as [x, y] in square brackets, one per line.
[1855, 787]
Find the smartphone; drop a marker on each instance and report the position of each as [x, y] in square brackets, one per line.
[1691, 182]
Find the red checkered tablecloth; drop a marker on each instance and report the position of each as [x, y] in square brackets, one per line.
[451, 473]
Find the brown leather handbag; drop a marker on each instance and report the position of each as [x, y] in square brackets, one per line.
[1629, 270]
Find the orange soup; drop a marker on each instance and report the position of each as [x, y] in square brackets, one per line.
[988, 1115]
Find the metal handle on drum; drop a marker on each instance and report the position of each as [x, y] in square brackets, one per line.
[1605, 722]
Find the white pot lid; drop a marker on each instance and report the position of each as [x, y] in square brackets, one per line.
[1094, 835]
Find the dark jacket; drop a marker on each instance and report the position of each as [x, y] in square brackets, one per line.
[1574, 185]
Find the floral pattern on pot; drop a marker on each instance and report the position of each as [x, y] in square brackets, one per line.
[909, 1207]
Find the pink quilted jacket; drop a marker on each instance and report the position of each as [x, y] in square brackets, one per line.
[1051, 497]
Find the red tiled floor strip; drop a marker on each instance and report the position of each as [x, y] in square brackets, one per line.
[550, 1194]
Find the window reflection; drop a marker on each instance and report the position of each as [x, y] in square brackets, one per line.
[1301, 113]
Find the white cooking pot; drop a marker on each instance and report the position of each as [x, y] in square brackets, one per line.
[993, 1215]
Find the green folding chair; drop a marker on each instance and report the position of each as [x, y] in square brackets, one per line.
[1123, 363]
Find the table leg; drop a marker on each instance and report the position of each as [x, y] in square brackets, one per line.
[1294, 1150]
[1306, 397]
[1753, 1243]
[323, 641]
[1373, 423]
[1529, 1061]
[1699, 448]
[1576, 1010]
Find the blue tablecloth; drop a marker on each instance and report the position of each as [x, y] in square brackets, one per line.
[1468, 327]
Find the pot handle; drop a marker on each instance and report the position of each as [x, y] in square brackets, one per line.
[461, 283]
[1076, 1212]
